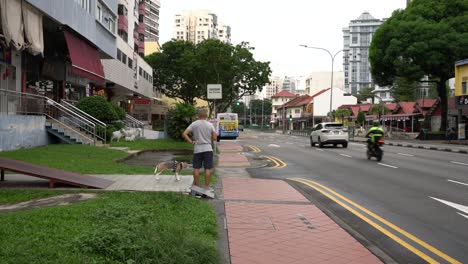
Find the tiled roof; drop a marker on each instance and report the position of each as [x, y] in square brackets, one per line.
[426, 103]
[299, 101]
[407, 107]
[319, 93]
[365, 107]
[355, 110]
[392, 107]
[284, 93]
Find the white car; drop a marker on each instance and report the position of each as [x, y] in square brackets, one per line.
[329, 134]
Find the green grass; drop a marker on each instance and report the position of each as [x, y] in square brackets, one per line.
[117, 227]
[78, 158]
[15, 196]
[154, 144]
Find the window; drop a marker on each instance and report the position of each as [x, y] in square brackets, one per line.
[99, 13]
[130, 63]
[124, 58]
[111, 24]
[141, 18]
[122, 10]
[140, 71]
[464, 88]
[297, 111]
[119, 55]
[85, 4]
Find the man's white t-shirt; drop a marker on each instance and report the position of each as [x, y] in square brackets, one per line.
[202, 131]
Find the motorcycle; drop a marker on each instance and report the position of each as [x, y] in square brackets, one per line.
[375, 150]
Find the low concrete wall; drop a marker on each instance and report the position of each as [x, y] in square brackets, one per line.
[151, 134]
[22, 131]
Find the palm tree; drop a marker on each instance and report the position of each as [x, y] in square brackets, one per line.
[342, 113]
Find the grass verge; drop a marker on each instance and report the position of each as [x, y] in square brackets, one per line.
[154, 144]
[117, 227]
[16, 196]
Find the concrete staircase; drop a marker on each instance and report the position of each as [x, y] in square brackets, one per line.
[68, 134]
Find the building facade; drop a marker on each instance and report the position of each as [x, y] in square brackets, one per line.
[224, 33]
[320, 80]
[198, 25]
[273, 87]
[356, 42]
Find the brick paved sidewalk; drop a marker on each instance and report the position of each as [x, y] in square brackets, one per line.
[268, 221]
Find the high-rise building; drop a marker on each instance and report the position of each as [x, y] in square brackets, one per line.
[356, 41]
[224, 33]
[152, 20]
[198, 25]
[273, 87]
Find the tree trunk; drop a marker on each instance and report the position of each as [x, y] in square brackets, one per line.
[442, 90]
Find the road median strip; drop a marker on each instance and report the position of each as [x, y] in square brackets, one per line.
[347, 203]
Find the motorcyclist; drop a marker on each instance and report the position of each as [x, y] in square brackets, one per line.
[374, 134]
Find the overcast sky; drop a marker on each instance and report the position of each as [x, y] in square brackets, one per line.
[276, 28]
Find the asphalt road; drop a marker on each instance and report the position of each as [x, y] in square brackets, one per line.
[419, 197]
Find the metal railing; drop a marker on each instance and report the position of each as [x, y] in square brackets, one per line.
[18, 103]
[130, 121]
[101, 127]
[302, 133]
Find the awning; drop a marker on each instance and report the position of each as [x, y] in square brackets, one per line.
[84, 58]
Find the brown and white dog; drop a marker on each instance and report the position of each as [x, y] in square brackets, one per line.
[175, 166]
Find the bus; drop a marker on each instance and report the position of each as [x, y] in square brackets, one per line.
[228, 125]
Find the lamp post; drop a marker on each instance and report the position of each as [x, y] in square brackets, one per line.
[332, 62]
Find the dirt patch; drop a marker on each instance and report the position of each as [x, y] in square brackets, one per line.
[65, 199]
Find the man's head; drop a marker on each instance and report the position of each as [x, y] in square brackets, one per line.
[376, 123]
[202, 113]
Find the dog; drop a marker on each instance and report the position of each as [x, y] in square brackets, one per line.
[175, 166]
[130, 138]
[117, 135]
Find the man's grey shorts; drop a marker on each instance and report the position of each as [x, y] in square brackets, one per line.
[205, 158]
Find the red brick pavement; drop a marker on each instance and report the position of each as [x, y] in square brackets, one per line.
[284, 230]
[232, 157]
[229, 147]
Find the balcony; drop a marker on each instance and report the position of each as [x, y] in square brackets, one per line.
[141, 28]
[141, 9]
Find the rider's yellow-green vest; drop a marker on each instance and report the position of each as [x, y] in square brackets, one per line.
[374, 132]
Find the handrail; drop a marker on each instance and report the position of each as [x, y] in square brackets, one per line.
[134, 120]
[52, 102]
[84, 113]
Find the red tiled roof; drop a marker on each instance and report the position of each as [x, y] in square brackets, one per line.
[365, 107]
[299, 101]
[355, 110]
[391, 107]
[426, 103]
[284, 93]
[407, 107]
[319, 93]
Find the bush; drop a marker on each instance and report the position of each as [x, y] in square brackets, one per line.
[119, 111]
[179, 119]
[98, 107]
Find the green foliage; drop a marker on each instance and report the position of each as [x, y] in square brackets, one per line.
[119, 111]
[183, 70]
[342, 113]
[378, 109]
[365, 93]
[179, 119]
[404, 90]
[117, 227]
[154, 144]
[239, 109]
[361, 118]
[425, 39]
[98, 107]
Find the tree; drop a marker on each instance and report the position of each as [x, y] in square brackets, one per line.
[404, 90]
[342, 114]
[183, 70]
[176, 69]
[256, 107]
[232, 66]
[179, 119]
[425, 39]
[377, 110]
[365, 93]
[361, 118]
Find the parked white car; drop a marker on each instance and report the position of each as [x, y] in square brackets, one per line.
[329, 134]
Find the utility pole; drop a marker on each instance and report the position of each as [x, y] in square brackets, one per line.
[263, 99]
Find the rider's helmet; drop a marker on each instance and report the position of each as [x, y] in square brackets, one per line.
[375, 123]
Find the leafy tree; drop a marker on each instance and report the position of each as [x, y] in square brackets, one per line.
[238, 109]
[425, 39]
[342, 114]
[98, 107]
[378, 109]
[365, 93]
[179, 119]
[183, 70]
[176, 70]
[361, 118]
[404, 90]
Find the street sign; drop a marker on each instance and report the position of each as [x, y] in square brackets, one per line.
[214, 91]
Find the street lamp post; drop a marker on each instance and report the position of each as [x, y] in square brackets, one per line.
[331, 85]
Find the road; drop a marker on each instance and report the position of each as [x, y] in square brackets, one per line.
[412, 205]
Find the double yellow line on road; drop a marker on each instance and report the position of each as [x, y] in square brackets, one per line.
[347, 204]
[253, 148]
[279, 164]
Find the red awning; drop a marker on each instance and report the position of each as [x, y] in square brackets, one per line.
[84, 58]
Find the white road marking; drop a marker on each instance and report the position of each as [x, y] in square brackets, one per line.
[274, 145]
[403, 154]
[386, 165]
[459, 207]
[462, 183]
[319, 149]
[459, 163]
[344, 155]
[466, 216]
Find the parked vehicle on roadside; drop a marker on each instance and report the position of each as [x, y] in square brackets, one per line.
[329, 133]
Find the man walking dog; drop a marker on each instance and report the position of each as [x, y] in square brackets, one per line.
[203, 134]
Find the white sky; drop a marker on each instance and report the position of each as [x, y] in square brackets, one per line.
[276, 28]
